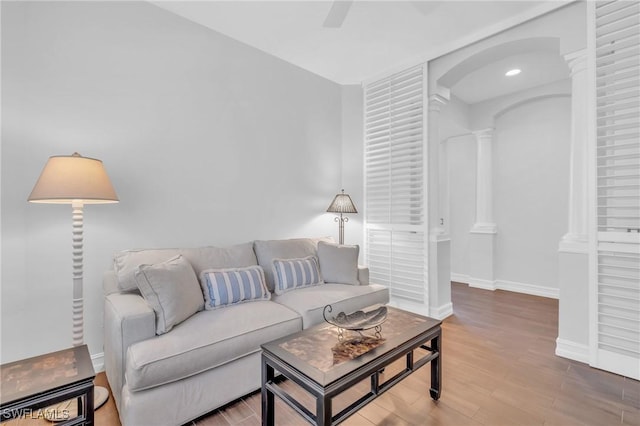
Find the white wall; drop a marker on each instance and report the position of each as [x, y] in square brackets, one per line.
[206, 140]
[530, 187]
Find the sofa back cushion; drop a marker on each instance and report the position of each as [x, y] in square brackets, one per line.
[171, 289]
[290, 274]
[224, 287]
[267, 251]
[125, 263]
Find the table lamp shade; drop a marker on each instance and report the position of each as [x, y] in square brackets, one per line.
[342, 203]
[69, 178]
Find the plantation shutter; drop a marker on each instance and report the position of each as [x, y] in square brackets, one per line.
[394, 184]
[617, 60]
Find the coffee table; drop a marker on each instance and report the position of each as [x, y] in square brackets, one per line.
[324, 365]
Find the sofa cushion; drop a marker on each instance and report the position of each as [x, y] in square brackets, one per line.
[207, 340]
[125, 263]
[310, 301]
[291, 274]
[267, 251]
[226, 287]
[339, 263]
[172, 290]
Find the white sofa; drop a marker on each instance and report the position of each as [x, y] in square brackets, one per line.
[212, 357]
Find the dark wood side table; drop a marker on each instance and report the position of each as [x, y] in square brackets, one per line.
[29, 386]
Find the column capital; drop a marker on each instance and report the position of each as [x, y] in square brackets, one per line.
[438, 234]
[577, 61]
[573, 243]
[484, 228]
[436, 102]
[484, 133]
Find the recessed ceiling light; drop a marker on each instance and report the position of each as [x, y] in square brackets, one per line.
[512, 72]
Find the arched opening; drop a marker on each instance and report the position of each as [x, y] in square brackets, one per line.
[505, 205]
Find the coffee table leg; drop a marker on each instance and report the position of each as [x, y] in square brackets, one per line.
[268, 403]
[436, 369]
[323, 411]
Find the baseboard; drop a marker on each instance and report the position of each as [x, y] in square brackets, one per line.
[98, 362]
[516, 287]
[442, 312]
[532, 289]
[460, 278]
[572, 350]
[481, 283]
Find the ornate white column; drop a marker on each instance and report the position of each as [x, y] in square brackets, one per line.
[484, 182]
[439, 242]
[573, 249]
[483, 232]
[575, 239]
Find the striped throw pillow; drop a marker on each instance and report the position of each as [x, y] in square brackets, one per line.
[290, 274]
[224, 287]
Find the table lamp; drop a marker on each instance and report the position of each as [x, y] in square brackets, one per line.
[342, 203]
[76, 180]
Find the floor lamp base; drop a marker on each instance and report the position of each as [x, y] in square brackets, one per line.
[69, 409]
[100, 396]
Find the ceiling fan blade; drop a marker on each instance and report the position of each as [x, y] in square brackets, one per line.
[337, 13]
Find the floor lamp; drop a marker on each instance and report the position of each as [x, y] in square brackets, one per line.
[342, 203]
[76, 180]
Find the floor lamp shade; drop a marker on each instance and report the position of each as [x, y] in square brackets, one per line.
[342, 203]
[76, 180]
[65, 179]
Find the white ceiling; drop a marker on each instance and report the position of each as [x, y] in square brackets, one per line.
[375, 36]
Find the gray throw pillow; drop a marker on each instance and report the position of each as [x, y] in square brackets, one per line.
[172, 290]
[339, 263]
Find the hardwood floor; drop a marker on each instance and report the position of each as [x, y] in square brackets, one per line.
[499, 368]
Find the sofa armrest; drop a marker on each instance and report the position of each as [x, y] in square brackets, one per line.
[363, 275]
[127, 320]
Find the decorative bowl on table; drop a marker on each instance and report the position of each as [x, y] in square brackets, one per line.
[358, 320]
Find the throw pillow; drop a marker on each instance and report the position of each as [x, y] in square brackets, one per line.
[171, 289]
[290, 274]
[224, 287]
[339, 263]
